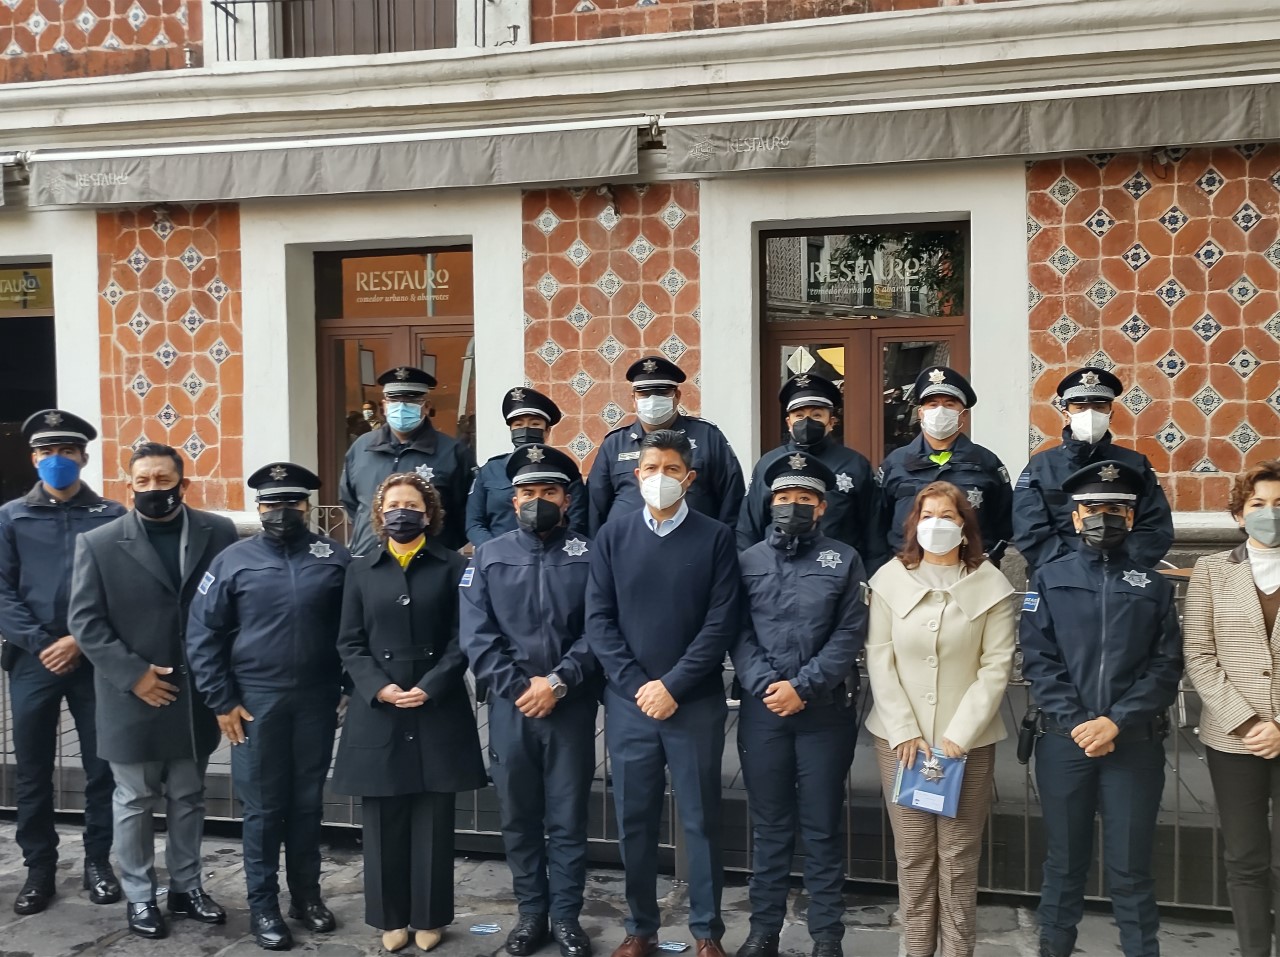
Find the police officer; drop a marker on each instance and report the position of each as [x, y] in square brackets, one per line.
[655, 384]
[37, 546]
[1103, 654]
[262, 641]
[811, 407]
[406, 442]
[522, 628]
[943, 452]
[796, 662]
[1042, 522]
[529, 415]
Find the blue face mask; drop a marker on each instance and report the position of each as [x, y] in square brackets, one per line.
[58, 471]
[404, 416]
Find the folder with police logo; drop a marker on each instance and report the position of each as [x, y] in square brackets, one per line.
[931, 784]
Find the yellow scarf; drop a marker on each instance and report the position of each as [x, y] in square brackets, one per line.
[405, 557]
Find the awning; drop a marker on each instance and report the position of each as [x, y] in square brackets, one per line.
[320, 166]
[1093, 120]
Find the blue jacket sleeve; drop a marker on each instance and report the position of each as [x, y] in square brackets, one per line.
[486, 647]
[604, 636]
[1001, 506]
[1152, 534]
[751, 666]
[212, 625]
[454, 533]
[1157, 687]
[753, 516]
[477, 516]
[347, 489]
[729, 485]
[599, 492]
[1042, 665]
[17, 623]
[873, 546]
[720, 626]
[837, 658]
[579, 507]
[1034, 533]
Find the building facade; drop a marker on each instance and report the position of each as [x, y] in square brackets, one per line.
[222, 220]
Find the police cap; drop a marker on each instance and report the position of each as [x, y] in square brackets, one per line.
[57, 427]
[407, 381]
[654, 372]
[1090, 384]
[538, 464]
[1104, 483]
[942, 380]
[799, 470]
[807, 389]
[283, 482]
[524, 401]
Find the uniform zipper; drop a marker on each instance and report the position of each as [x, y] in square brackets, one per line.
[1102, 657]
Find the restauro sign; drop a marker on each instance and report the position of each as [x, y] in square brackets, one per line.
[26, 288]
[410, 285]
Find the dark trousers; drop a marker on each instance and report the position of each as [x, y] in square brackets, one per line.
[408, 861]
[1246, 788]
[1125, 787]
[542, 769]
[690, 744]
[279, 774]
[795, 770]
[35, 697]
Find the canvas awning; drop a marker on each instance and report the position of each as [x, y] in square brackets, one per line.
[321, 166]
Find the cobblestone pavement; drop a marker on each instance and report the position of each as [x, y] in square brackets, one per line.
[73, 926]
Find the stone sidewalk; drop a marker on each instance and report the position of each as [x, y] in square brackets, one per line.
[73, 926]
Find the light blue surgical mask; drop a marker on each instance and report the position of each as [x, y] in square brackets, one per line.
[58, 471]
[404, 416]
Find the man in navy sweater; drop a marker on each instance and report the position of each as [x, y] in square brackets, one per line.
[662, 609]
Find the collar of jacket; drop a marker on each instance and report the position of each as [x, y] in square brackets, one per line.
[422, 439]
[1240, 554]
[1084, 451]
[919, 450]
[288, 548]
[816, 450]
[1096, 557]
[534, 542]
[431, 547]
[84, 498]
[678, 424]
[975, 593]
[793, 546]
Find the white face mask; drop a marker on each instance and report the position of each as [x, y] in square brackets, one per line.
[655, 409]
[1089, 425]
[661, 491]
[938, 536]
[940, 422]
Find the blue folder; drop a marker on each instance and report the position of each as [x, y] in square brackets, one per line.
[932, 784]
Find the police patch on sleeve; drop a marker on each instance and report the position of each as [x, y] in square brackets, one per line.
[467, 576]
[1031, 602]
[1024, 480]
[205, 583]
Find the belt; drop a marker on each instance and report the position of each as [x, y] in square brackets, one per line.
[1150, 730]
[408, 653]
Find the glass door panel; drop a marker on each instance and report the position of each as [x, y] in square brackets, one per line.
[350, 364]
[448, 353]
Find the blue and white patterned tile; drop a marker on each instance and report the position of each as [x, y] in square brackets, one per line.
[1173, 219]
[549, 351]
[1100, 222]
[1171, 363]
[1208, 254]
[1206, 327]
[1135, 327]
[1100, 293]
[1064, 190]
[1205, 467]
[1065, 329]
[1246, 217]
[1244, 437]
[1137, 185]
[1136, 399]
[1245, 363]
[581, 382]
[1207, 400]
[1136, 256]
[1170, 436]
[1100, 360]
[580, 446]
[1170, 292]
[1242, 290]
[1063, 260]
[579, 317]
[1210, 181]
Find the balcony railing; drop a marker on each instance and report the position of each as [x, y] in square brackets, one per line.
[294, 29]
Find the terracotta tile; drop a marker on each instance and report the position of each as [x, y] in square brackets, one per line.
[1043, 174]
[1226, 344]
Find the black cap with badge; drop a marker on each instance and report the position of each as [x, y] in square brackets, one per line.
[799, 470]
[943, 380]
[1105, 483]
[525, 401]
[408, 381]
[806, 390]
[57, 427]
[283, 482]
[538, 464]
[1090, 384]
[654, 372]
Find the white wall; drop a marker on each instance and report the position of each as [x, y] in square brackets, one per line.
[992, 196]
[69, 240]
[276, 241]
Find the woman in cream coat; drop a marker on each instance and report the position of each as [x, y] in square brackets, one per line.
[939, 655]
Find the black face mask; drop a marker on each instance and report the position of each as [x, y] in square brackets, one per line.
[539, 515]
[1104, 532]
[793, 518]
[403, 525]
[158, 502]
[808, 432]
[527, 436]
[285, 524]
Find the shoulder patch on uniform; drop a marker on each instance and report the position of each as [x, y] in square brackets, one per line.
[880, 476]
[467, 576]
[206, 582]
[1004, 474]
[1031, 601]
[1024, 480]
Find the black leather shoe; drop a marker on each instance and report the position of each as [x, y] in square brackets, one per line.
[822, 948]
[197, 905]
[100, 881]
[270, 932]
[529, 935]
[573, 940]
[35, 895]
[759, 944]
[314, 915]
[145, 920]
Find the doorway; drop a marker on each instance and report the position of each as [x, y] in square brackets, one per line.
[28, 366]
[378, 309]
[869, 308]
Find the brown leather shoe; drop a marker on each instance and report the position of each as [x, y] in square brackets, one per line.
[710, 948]
[632, 946]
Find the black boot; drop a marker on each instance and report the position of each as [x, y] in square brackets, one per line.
[270, 932]
[197, 905]
[314, 916]
[759, 944]
[35, 894]
[100, 881]
[828, 948]
[573, 940]
[145, 920]
[529, 936]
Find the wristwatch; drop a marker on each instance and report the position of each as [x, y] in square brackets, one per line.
[558, 687]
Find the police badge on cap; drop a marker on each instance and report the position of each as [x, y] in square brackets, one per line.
[654, 372]
[806, 390]
[57, 427]
[943, 380]
[525, 401]
[407, 381]
[1103, 483]
[283, 482]
[1090, 384]
[538, 464]
[799, 470]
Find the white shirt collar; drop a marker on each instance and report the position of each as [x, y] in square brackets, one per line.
[667, 526]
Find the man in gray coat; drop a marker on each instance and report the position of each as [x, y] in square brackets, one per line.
[131, 587]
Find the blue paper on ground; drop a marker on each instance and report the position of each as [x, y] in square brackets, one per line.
[932, 784]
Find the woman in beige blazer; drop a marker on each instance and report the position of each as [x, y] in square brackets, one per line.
[939, 655]
[1233, 658]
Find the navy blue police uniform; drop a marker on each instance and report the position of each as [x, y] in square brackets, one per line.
[612, 487]
[1042, 529]
[1100, 637]
[975, 470]
[853, 502]
[489, 509]
[37, 547]
[523, 616]
[806, 624]
[440, 459]
[263, 635]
